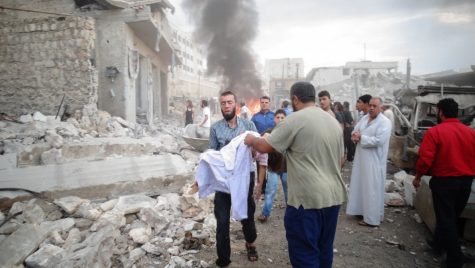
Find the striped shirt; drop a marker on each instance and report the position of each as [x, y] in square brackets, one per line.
[221, 134]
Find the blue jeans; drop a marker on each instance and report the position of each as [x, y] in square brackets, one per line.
[310, 234]
[271, 190]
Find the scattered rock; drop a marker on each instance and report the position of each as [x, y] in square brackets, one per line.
[391, 186]
[110, 218]
[37, 116]
[393, 199]
[141, 235]
[69, 203]
[20, 244]
[400, 176]
[47, 256]
[106, 206]
[133, 203]
[153, 249]
[417, 218]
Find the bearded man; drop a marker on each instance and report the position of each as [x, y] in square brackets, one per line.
[221, 133]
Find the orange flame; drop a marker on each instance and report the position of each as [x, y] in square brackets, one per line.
[254, 105]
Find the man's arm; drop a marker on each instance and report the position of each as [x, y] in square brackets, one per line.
[258, 144]
[427, 152]
[213, 139]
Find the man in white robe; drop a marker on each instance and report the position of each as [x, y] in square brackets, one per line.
[371, 134]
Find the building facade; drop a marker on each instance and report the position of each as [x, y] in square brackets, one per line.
[116, 54]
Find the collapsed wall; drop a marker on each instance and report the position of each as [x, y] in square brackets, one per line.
[42, 59]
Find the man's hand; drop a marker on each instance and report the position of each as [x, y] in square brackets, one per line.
[356, 136]
[417, 181]
[249, 139]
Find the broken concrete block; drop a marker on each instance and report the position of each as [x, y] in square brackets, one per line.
[9, 228]
[88, 211]
[21, 244]
[53, 139]
[94, 251]
[175, 250]
[113, 218]
[393, 200]
[106, 206]
[56, 238]
[82, 223]
[157, 219]
[2, 217]
[25, 118]
[173, 200]
[16, 208]
[136, 254]
[400, 176]
[74, 237]
[69, 203]
[141, 235]
[33, 214]
[124, 123]
[390, 186]
[47, 256]
[133, 203]
[67, 130]
[177, 261]
[37, 116]
[61, 225]
[409, 190]
[153, 249]
[52, 157]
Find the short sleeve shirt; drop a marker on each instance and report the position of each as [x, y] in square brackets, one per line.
[207, 112]
[312, 141]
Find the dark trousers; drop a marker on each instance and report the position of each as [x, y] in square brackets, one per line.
[310, 234]
[449, 196]
[349, 145]
[222, 212]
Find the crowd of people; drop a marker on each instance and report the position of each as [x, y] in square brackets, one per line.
[306, 146]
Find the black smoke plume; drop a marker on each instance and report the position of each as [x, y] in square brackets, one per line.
[227, 28]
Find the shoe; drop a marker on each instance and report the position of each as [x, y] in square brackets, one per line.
[436, 251]
[363, 223]
[262, 218]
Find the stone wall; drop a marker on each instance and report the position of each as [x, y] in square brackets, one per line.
[42, 59]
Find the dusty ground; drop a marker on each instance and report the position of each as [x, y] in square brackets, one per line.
[398, 242]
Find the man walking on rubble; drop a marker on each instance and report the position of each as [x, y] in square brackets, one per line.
[447, 153]
[371, 135]
[316, 189]
[221, 133]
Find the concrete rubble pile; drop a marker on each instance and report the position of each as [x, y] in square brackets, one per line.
[87, 149]
[399, 190]
[129, 231]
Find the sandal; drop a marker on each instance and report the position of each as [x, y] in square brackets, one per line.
[363, 223]
[262, 218]
[251, 253]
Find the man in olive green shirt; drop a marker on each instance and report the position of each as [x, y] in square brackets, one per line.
[312, 142]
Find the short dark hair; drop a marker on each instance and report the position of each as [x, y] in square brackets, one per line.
[285, 103]
[279, 111]
[304, 91]
[204, 102]
[346, 104]
[324, 93]
[242, 103]
[228, 92]
[365, 98]
[449, 107]
[265, 97]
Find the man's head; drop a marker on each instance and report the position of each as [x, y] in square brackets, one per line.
[375, 107]
[362, 104]
[301, 93]
[227, 101]
[325, 100]
[285, 104]
[346, 105]
[242, 104]
[447, 108]
[265, 104]
[204, 103]
[279, 116]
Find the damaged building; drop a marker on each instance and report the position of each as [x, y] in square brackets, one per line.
[115, 54]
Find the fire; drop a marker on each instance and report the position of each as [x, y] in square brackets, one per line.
[253, 105]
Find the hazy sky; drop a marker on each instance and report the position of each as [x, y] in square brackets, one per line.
[435, 34]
